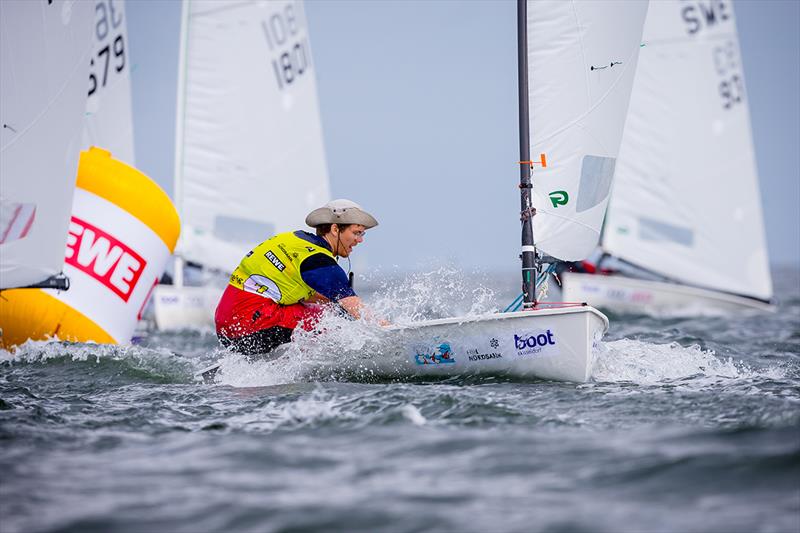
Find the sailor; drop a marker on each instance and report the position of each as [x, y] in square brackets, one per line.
[279, 285]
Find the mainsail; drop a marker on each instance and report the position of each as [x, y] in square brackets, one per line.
[109, 121]
[44, 62]
[686, 202]
[581, 62]
[249, 157]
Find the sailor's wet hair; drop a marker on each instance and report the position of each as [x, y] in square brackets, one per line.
[324, 229]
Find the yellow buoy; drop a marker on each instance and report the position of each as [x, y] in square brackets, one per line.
[122, 231]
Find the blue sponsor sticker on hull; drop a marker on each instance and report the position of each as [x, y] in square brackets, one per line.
[469, 350]
[441, 354]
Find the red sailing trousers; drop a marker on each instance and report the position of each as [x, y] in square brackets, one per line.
[251, 323]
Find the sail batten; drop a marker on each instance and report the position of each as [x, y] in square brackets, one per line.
[581, 59]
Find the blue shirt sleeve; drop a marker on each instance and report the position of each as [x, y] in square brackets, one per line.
[325, 276]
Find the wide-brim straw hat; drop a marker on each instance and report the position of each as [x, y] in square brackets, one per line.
[340, 212]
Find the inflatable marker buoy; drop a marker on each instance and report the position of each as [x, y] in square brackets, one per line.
[122, 231]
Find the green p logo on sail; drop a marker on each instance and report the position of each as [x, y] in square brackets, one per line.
[559, 198]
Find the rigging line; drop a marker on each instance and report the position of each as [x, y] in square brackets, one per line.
[513, 305]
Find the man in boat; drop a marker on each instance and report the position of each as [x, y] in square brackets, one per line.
[279, 284]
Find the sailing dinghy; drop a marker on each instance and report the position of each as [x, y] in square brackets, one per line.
[576, 65]
[684, 233]
[250, 159]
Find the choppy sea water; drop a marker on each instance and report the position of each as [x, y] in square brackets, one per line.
[687, 425]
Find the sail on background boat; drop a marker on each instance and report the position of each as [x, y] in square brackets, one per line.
[582, 58]
[686, 203]
[44, 62]
[250, 158]
[109, 120]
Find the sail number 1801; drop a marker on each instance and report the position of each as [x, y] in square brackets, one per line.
[283, 35]
[290, 64]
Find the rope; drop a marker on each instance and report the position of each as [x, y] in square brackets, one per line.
[513, 306]
[541, 280]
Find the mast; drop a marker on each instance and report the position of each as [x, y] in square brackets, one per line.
[180, 117]
[528, 255]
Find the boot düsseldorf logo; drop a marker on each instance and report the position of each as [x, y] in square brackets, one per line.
[534, 344]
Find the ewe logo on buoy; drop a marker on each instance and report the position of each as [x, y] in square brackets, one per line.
[543, 343]
[103, 257]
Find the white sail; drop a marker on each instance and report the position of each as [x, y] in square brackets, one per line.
[44, 61]
[686, 202]
[109, 121]
[250, 158]
[581, 62]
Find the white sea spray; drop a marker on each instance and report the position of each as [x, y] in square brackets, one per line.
[439, 293]
[646, 363]
[157, 361]
[413, 414]
[340, 346]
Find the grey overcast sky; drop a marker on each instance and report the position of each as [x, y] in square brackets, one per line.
[419, 112]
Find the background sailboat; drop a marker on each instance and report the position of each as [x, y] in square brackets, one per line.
[249, 159]
[44, 62]
[684, 229]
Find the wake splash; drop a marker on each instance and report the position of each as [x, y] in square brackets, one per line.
[441, 293]
[344, 348]
[158, 364]
[331, 353]
[647, 364]
[339, 347]
[341, 352]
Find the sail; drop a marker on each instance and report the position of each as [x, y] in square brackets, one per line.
[686, 202]
[250, 157]
[44, 62]
[581, 62]
[109, 121]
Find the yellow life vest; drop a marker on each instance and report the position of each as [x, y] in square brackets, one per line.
[272, 269]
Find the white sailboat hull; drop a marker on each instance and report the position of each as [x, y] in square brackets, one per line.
[176, 308]
[558, 344]
[624, 294]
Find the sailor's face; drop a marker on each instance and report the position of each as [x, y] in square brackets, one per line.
[348, 238]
